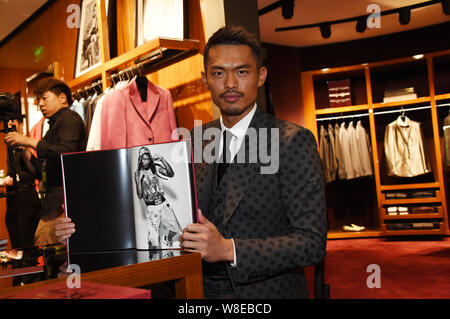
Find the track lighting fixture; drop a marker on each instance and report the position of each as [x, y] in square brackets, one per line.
[287, 9]
[446, 6]
[325, 30]
[404, 15]
[361, 24]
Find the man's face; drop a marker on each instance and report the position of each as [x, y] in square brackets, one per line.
[50, 103]
[233, 77]
[146, 161]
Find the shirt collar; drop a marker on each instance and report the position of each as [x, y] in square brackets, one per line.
[56, 115]
[240, 128]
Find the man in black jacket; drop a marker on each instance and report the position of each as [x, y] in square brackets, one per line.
[66, 134]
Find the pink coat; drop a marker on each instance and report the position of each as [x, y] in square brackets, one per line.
[126, 121]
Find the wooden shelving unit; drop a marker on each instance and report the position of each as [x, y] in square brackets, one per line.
[154, 55]
[432, 90]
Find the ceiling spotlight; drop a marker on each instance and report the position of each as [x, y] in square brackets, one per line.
[418, 56]
[325, 30]
[446, 6]
[361, 24]
[404, 15]
[287, 8]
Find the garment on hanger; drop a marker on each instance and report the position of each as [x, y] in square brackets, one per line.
[339, 156]
[364, 150]
[127, 121]
[327, 156]
[447, 140]
[354, 151]
[345, 152]
[404, 149]
[333, 158]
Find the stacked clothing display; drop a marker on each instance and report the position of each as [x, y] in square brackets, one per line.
[132, 113]
[345, 152]
[404, 149]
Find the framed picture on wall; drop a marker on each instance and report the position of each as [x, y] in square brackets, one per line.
[88, 44]
[161, 19]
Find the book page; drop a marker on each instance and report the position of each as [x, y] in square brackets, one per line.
[97, 195]
[162, 193]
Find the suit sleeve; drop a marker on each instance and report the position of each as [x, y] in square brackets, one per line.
[303, 201]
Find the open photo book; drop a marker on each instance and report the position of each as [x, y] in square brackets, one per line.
[134, 198]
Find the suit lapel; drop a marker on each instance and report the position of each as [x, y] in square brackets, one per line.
[204, 173]
[239, 175]
[146, 109]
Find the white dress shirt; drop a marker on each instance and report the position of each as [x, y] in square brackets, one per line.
[238, 131]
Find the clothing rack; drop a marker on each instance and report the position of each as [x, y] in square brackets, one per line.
[140, 64]
[342, 117]
[79, 93]
[378, 113]
[127, 73]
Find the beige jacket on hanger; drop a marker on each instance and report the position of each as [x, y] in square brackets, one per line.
[364, 151]
[404, 149]
[354, 151]
[344, 140]
[339, 156]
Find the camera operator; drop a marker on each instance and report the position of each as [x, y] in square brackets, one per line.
[23, 205]
[66, 134]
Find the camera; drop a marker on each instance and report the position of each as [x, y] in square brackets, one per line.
[9, 109]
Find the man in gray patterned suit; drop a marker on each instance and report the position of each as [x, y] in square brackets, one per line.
[258, 227]
[256, 230]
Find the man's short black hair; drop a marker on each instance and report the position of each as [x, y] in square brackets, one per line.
[234, 35]
[53, 85]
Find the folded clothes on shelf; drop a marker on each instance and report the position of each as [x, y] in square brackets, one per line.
[410, 194]
[396, 195]
[395, 210]
[412, 225]
[422, 194]
[423, 210]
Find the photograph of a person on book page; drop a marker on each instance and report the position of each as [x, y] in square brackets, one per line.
[163, 228]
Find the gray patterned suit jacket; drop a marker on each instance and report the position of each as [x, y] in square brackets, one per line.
[277, 221]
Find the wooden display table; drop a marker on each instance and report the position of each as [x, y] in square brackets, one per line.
[185, 270]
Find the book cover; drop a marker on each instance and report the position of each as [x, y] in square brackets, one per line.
[136, 198]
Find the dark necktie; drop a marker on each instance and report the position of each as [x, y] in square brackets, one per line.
[225, 159]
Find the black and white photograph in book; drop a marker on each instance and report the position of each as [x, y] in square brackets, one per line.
[163, 193]
[131, 198]
[88, 45]
[158, 191]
